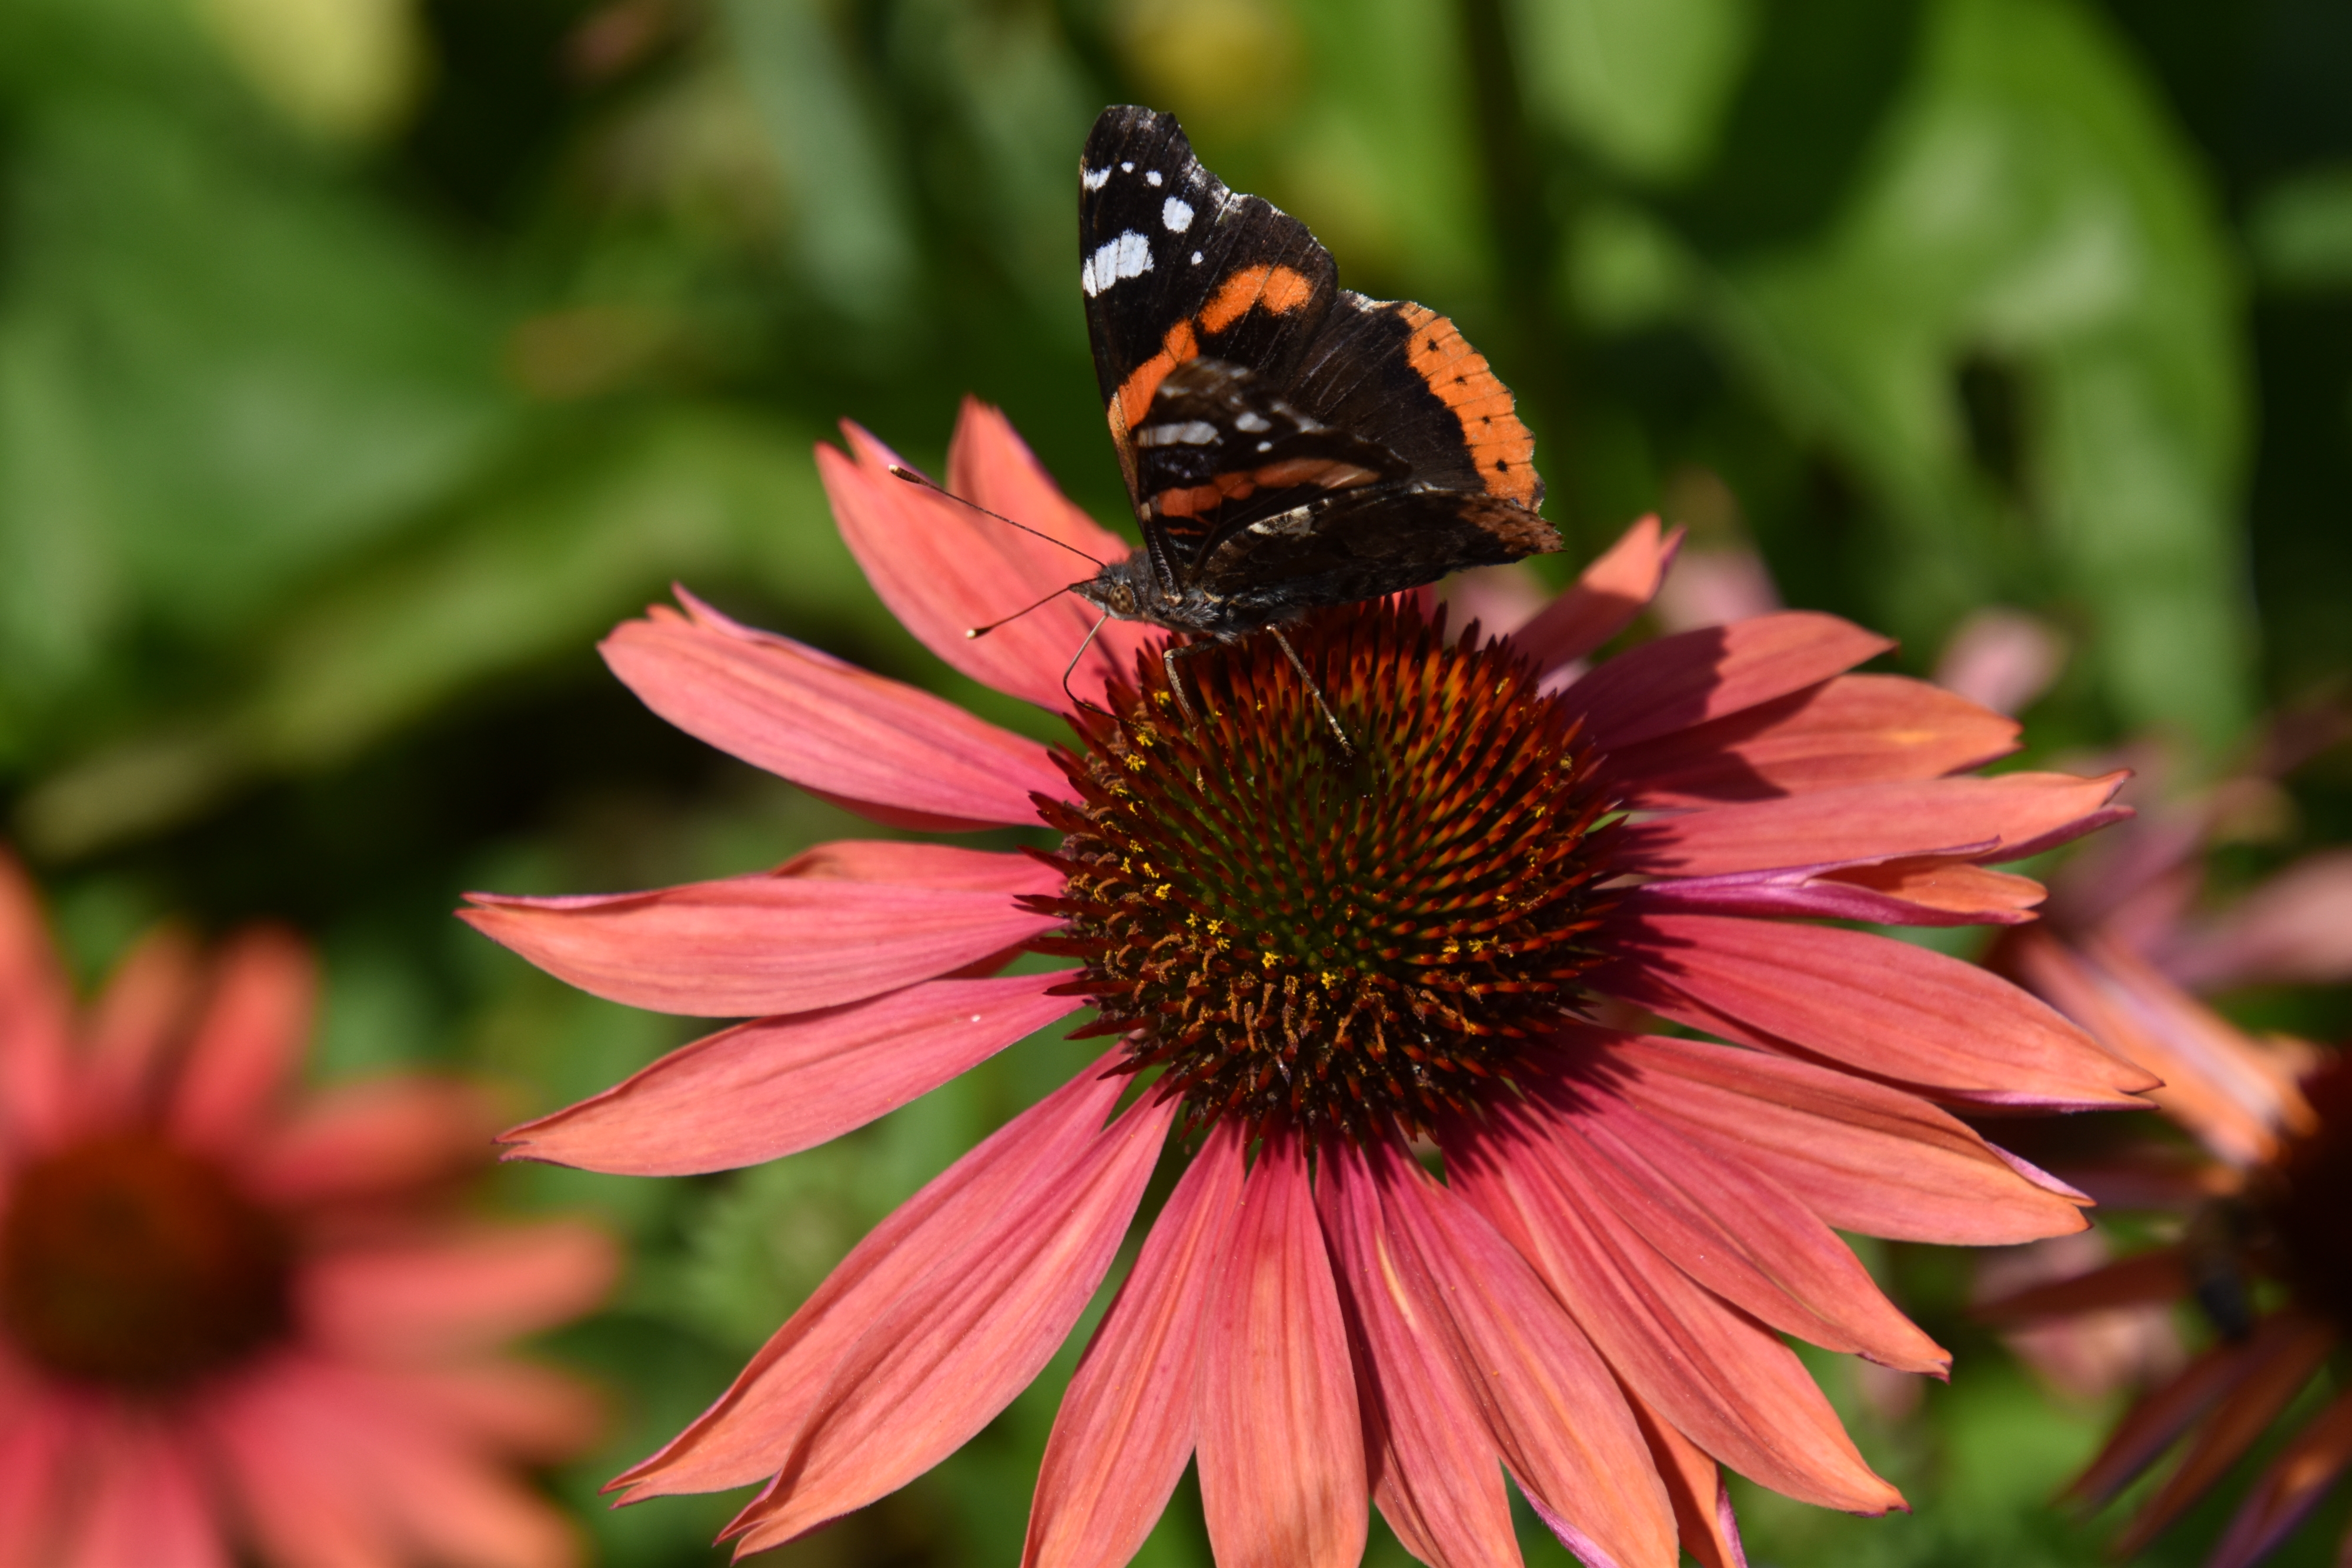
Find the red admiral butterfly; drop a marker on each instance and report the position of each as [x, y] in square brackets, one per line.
[1288, 443]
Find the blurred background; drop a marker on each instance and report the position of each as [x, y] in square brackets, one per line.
[362, 361]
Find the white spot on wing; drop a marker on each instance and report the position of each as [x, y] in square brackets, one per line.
[1177, 214]
[1252, 422]
[1196, 258]
[1093, 179]
[1127, 168]
[1151, 178]
[1129, 255]
[1190, 433]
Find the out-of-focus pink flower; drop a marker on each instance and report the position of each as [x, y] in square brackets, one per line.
[229, 1311]
[1311, 960]
[2002, 658]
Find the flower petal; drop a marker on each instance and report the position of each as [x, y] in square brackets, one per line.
[2294, 929]
[144, 1502]
[1921, 890]
[35, 1015]
[2158, 1419]
[1870, 1003]
[2013, 815]
[1437, 1473]
[141, 1016]
[1550, 1402]
[515, 1407]
[1603, 599]
[250, 1039]
[1124, 1433]
[375, 1139]
[2143, 1279]
[39, 1449]
[944, 567]
[897, 755]
[1717, 1373]
[1281, 1440]
[1700, 1492]
[999, 1209]
[1732, 1229]
[2288, 1488]
[745, 945]
[2286, 1350]
[471, 1292]
[776, 1086]
[1864, 1157]
[1853, 729]
[282, 1443]
[1685, 680]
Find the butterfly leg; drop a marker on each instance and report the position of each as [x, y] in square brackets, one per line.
[1078, 703]
[1168, 657]
[1322, 707]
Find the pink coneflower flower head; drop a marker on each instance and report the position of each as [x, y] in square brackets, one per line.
[233, 1313]
[1318, 966]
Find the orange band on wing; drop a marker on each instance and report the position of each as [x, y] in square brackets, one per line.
[1499, 445]
[1135, 393]
[1280, 289]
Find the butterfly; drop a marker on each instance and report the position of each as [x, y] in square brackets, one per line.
[1288, 443]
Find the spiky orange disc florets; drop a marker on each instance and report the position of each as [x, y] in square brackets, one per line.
[1339, 942]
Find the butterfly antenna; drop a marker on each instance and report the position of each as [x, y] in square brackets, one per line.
[900, 471]
[984, 630]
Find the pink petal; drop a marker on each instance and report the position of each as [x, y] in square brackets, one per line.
[250, 1039]
[142, 1014]
[284, 1447]
[908, 863]
[1732, 1229]
[1864, 1157]
[1870, 1003]
[2289, 1488]
[899, 756]
[2286, 1350]
[745, 945]
[1603, 601]
[1714, 1373]
[144, 1502]
[1853, 729]
[2218, 1083]
[450, 1504]
[939, 1364]
[1916, 891]
[36, 1014]
[1437, 1474]
[2144, 1279]
[997, 1207]
[1549, 1400]
[40, 1446]
[944, 568]
[2294, 929]
[1281, 1440]
[458, 1294]
[1700, 1492]
[512, 1406]
[775, 1087]
[2013, 815]
[1685, 680]
[1124, 1433]
[374, 1139]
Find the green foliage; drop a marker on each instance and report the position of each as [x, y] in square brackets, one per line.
[330, 440]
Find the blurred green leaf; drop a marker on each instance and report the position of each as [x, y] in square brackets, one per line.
[2301, 230]
[1644, 83]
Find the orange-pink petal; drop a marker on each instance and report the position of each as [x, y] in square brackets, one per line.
[2159, 1416]
[249, 1040]
[776, 1086]
[2294, 929]
[1124, 1433]
[1551, 1401]
[1700, 1492]
[1870, 1003]
[516, 1408]
[416, 1300]
[1005, 1205]
[1863, 1157]
[371, 1139]
[1733, 1228]
[38, 1451]
[140, 1017]
[937, 1363]
[1853, 729]
[1281, 1440]
[2142, 1280]
[36, 1016]
[1717, 1373]
[879, 746]
[1436, 1473]
[1695, 676]
[944, 567]
[143, 1500]
[746, 946]
[1603, 599]
[1999, 818]
[2289, 1488]
[1927, 890]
